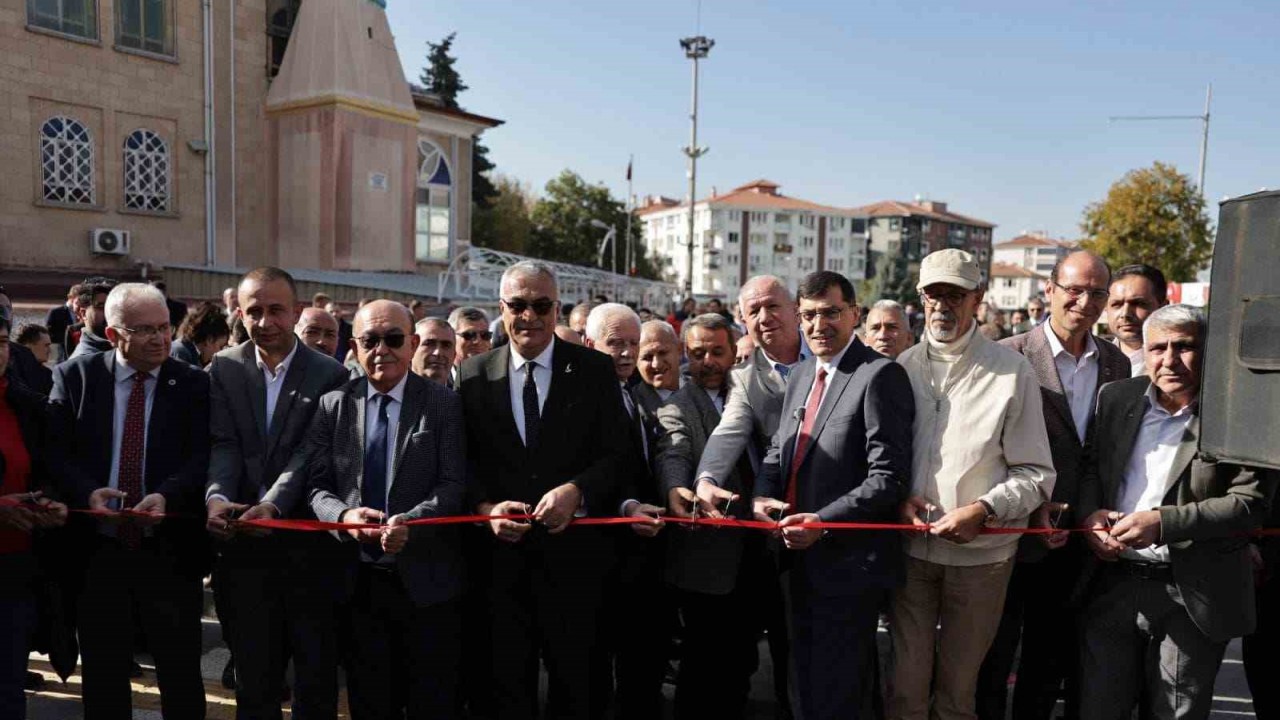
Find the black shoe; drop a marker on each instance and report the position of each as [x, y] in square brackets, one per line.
[136, 671]
[229, 673]
[34, 681]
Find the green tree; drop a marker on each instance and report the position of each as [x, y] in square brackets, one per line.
[506, 223]
[1152, 215]
[563, 231]
[892, 279]
[441, 78]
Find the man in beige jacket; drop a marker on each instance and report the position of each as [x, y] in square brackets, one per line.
[981, 458]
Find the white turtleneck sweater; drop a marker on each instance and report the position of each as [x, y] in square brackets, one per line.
[979, 434]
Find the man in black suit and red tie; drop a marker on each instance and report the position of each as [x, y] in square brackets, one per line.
[547, 437]
[133, 430]
[842, 453]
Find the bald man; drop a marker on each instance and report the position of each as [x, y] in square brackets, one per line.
[433, 359]
[318, 330]
[568, 334]
[659, 365]
[406, 463]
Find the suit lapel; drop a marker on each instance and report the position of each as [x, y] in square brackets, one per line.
[768, 376]
[257, 391]
[836, 384]
[1130, 424]
[104, 401]
[788, 426]
[359, 398]
[497, 370]
[1185, 453]
[160, 408]
[410, 410]
[1040, 354]
[558, 395]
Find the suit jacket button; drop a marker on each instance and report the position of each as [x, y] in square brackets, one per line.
[534, 476]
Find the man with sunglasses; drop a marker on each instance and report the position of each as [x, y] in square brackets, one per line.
[471, 336]
[980, 458]
[1071, 364]
[273, 590]
[547, 436]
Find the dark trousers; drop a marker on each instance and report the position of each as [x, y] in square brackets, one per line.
[639, 616]
[1037, 615]
[151, 582]
[833, 664]
[404, 659]
[548, 608]
[282, 593]
[1262, 650]
[17, 624]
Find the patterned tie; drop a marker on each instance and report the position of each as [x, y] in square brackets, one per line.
[532, 414]
[129, 479]
[806, 432]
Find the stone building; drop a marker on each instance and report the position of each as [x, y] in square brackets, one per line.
[164, 123]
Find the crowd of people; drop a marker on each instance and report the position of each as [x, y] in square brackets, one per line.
[137, 466]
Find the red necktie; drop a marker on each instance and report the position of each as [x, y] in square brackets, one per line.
[129, 480]
[806, 431]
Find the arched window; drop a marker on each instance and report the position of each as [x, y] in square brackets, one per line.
[66, 161]
[434, 203]
[146, 172]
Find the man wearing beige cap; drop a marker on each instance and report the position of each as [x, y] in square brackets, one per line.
[980, 459]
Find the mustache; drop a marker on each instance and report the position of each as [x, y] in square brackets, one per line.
[535, 325]
[943, 316]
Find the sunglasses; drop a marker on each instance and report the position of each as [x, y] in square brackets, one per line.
[473, 335]
[393, 340]
[541, 306]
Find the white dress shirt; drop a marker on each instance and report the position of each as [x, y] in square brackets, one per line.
[784, 369]
[393, 426]
[830, 367]
[274, 379]
[123, 388]
[541, 378]
[1079, 377]
[717, 399]
[1137, 363]
[1148, 470]
[664, 393]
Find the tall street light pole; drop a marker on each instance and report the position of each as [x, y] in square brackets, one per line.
[695, 48]
[1204, 138]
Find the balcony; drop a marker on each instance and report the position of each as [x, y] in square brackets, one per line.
[782, 249]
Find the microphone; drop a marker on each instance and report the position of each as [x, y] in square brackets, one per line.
[798, 415]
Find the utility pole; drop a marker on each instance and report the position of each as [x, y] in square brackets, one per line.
[695, 48]
[630, 260]
[1204, 138]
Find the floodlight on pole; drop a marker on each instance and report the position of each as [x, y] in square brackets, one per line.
[1204, 138]
[610, 234]
[695, 48]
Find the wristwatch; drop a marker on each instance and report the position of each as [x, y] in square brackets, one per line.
[990, 518]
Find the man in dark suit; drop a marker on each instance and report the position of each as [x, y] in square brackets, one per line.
[274, 592]
[548, 436]
[133, 431]
[634, 595]
[1170, 581]
[89, 335]
[386, 449]
[842, 453]
[60, 318]
[716, 574]
[1071, 364]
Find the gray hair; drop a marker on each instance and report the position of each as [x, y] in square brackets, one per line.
[888, 305]
[528, 268]
[467, 314]
[602, 312]
[764, 281]
[1175, 316]
[131, 294]
[661, 327]
[422, 325]
[708, 321]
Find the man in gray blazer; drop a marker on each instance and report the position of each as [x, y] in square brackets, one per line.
[383, 450]
[712, 570]
[1170, 582]
[1071, 364]
[272, 591]
[658, 368]
[842, 453]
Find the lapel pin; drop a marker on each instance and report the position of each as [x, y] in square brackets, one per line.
[568, 369]
[172, 382]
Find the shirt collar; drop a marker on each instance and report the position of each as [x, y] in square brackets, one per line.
[1153, 404]
[543, 359]
[1056, 347]
[830, 367]
[804, 354]
[283, 367]
[125, 371]
[397, 392]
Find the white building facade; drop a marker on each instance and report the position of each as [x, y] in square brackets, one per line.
[1034, 251]
[753, 230]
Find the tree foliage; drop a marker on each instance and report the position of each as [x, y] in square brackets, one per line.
[506, 223]
[563, 231]
[1152, 215]
[442, 79]
[892, 279]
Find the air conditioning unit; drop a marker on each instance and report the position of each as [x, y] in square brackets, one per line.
[105, 241]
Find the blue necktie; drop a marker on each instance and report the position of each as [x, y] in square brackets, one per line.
[783, 370]
[374, 492]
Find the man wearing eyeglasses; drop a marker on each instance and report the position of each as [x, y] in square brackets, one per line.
[547, 437]
[980, 458]
[273, 590]
[1070, 364]
[133, 428]
[472, 336]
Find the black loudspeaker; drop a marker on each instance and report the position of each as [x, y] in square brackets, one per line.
[1240, 395]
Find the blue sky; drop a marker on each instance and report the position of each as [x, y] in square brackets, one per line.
[998, 108]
